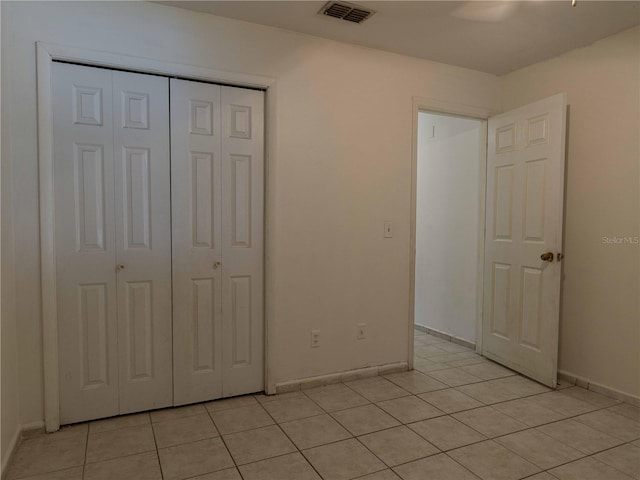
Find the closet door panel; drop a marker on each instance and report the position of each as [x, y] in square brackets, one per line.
[83, 162]
[143, 240]
[242, 240]
[197, 267]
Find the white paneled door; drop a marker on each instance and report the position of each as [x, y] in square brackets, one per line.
[113, 241]
[85, 235]
[143, 240]
[523, 238]
[217, 203]
[159, 188]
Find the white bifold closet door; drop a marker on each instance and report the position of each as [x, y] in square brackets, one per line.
[217, 165]
[113, 241]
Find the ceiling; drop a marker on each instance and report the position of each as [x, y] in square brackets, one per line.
[531, 31]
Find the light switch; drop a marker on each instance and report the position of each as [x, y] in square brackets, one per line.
[388, 230]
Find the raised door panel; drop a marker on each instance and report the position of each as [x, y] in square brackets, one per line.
[143, 238]
[196, 231]
[242, 240]
[85, 242]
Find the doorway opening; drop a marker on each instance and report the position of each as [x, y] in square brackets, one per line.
[449, 225]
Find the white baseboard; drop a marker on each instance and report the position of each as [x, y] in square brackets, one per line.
[445, 336]
[34, 428]
[22, 431]
[598, 388]
[347, 376]
[13, 448]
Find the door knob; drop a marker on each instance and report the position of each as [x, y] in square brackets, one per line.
[120, 267]
[547, 257]
[216, 265]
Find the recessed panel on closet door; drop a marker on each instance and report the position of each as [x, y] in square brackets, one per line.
[83, 162]
[142, 179]
[242, 240]
[197, 261]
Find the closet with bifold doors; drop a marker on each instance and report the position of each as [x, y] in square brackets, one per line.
[158, 192]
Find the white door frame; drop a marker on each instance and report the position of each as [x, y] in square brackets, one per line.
[430, 105]
[46, 53]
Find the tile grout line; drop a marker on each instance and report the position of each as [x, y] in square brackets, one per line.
[291, 440]
[235, 464]
[155, 442]
[86, 451]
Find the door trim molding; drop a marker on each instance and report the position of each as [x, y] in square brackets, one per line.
[46, 54]
[431, 105]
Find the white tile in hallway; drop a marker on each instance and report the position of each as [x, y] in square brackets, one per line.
[314, 431]
[397, 445]
[192, 459]
[439, 467]
[487, 393]
[343, 460]
[228, 474]
[119, 443]
[450, 400]
[240, 419]
[454, 377]
[563, 404]
[259, 444]
[489, 421]
[292, 466]
[66, 474]
[612, 424]
[625, 458]
[539, 449]
[377, 389]
[143, 466]
[627, 410]
[491, 461]
[488, 371]
[292, 408]
[410, 409]
[365, 419]
[415, 382]
[336, 397]
[579, 436]
[382, 475]
[183, 430]
[527, 411]
[446, 433]
[588, 469]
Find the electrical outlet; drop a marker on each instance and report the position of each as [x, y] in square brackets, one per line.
[388, 230]
[362, 331]
[315, 338]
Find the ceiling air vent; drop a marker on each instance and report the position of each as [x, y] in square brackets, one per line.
[346, 11]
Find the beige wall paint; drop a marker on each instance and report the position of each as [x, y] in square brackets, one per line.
[9, 415]
[342, 166]
[600, 322]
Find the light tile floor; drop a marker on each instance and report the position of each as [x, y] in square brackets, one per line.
[457, 416]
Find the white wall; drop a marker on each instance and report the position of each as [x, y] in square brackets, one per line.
[600, 323]
[447, 224]
[9, 415]
[341, 167]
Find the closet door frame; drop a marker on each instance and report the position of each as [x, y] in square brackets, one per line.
[46, 54]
